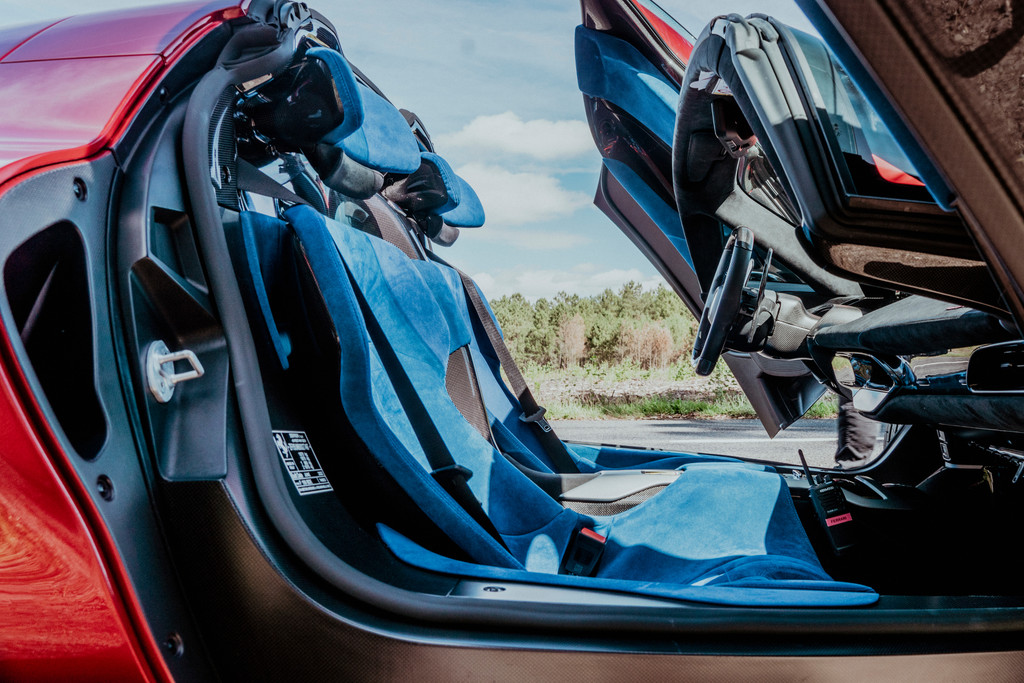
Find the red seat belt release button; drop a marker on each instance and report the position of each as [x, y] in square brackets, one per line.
[583, 554]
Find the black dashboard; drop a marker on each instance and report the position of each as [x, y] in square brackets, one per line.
[923, 361]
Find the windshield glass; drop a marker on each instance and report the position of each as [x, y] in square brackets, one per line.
[868, 159]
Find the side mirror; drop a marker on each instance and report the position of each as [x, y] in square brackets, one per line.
[871, 379]
[997, 368]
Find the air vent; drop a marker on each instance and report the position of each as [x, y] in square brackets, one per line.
[48, 292]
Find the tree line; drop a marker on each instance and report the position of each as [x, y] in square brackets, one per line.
[650, 328]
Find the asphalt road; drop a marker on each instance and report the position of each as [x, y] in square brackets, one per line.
[744, 438]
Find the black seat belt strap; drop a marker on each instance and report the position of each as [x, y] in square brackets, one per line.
[252, 179]
[533, 413]
[449, 474]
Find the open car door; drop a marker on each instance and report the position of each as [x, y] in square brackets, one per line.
[631, 58]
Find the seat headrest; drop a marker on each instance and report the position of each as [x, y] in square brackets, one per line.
[435, 189]
[443, 170]
[469, 213]
[348, 90]
[383, 141]
[463, 208]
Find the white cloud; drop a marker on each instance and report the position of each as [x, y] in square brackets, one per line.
[538, 138]
[585, 279]
[532, 240]
[515, 198]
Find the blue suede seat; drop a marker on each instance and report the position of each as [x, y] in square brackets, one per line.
[376, 135]
[721, 533]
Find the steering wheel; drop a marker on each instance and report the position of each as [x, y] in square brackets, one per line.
[722, 306]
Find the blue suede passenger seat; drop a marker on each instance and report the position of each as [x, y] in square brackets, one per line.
[722, 532]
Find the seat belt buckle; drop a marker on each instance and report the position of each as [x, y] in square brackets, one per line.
[450, 473]
[583, 554]
[537, 418]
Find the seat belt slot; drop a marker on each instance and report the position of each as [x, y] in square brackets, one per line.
[583, 554]
[445, 475]
[533, 413]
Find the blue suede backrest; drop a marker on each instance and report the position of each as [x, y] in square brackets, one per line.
[418, 330]
[611, 69]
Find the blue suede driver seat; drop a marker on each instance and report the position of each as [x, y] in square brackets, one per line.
[720, 533]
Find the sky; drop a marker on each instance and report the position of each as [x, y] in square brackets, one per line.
[494, 82]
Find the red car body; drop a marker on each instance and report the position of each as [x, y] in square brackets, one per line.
[67, 608]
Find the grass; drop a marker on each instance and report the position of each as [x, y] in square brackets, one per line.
[654, 407]
[628, 392]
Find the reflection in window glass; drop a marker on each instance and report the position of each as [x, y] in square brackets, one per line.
[870, 160]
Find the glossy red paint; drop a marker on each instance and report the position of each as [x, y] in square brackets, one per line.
[141, 31]
[66, 104]
[72, 106]
[67, 608]
[12, 37]
[893, 173]
[675, 42]
[60, 616]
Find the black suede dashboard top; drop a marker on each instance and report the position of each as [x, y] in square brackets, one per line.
[914, 325]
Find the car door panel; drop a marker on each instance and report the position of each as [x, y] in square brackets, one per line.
[630, 103]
